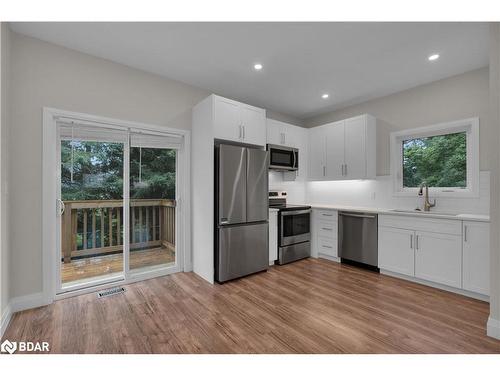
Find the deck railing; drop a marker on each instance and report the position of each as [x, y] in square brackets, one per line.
[95, 227]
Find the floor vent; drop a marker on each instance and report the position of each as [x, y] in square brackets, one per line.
[111, 292]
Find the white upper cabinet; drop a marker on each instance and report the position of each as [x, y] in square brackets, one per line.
[335, 151]
[253, 122]
[227, 119]
[476, 253]
[317, 153]
[238, 122]
[355, 157]
[349, 150]
[280, 133]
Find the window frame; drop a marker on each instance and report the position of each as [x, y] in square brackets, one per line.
[470, 126]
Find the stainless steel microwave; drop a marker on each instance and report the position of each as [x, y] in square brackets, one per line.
[283, 158]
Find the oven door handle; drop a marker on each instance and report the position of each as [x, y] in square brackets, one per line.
[295, 212]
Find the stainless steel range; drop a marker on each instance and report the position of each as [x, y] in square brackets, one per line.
[294, 234]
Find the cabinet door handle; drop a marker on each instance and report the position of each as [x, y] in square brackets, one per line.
[416, 241]
[345, 169]
[411, 241]
[243, 126]
[465, 233]
[240, 132]
[284, 138]
[342, 169]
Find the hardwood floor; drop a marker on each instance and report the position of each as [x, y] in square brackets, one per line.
[310, 306]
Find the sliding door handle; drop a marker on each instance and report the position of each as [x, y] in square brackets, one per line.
[61, 206]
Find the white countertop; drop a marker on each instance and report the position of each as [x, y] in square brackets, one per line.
[391, 211]
[273, 209]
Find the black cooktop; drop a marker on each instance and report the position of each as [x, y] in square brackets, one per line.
[290, 207]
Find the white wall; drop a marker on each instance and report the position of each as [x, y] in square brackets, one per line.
[4, 198]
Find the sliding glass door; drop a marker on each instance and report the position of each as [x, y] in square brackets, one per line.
[153, 183]
[117, 205]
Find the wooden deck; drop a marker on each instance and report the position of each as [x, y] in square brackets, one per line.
[310, 306]
[96, 266]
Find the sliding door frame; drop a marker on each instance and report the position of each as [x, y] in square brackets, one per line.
[51, 171]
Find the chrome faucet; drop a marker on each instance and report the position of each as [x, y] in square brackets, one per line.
[427, 204]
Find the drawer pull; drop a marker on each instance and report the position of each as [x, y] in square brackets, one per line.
[327, 228]
[328, 247]
[327, 214]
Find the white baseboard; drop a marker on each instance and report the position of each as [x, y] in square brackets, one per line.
[29, 301]
[463, 292]
[493, 328]
[5, 320]
[329, 257]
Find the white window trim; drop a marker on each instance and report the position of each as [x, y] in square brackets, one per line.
[470, 126]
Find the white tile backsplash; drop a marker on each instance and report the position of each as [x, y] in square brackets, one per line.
[378, 193]
[296, 189]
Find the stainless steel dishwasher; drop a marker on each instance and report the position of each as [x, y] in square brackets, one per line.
[358, 238]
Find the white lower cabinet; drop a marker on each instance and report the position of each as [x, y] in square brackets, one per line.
[273, 236]
[438, 258]
[327, 247]
[444, 252]
[396, 250]
[324, 239]
[476, 256]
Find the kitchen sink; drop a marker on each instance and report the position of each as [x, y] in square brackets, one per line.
[425, 212]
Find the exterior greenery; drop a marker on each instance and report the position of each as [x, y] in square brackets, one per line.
[98, 171]
[439, 161]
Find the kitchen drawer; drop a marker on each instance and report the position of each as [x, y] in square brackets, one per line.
[433, 225]
[327, 229]
[327, 246]
[325, 215]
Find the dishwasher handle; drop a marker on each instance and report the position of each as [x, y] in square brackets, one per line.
[357, 215]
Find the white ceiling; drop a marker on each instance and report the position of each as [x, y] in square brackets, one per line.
[353, 62]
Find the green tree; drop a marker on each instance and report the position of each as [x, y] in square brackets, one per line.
[439, 161]
[94, 171]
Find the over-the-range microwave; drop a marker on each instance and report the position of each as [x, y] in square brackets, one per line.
[283, 158]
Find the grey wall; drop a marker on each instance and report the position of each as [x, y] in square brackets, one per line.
[4, 232]
[454, 98]
[284, 118]
[494, 156]
[44, 74]
[47, 75]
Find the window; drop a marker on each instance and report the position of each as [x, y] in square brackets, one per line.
[445, 157]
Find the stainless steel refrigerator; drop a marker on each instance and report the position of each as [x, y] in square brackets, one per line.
[241, 211]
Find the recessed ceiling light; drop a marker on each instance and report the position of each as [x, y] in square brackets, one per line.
[433, 57]
[325, 96]
[257, 66]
